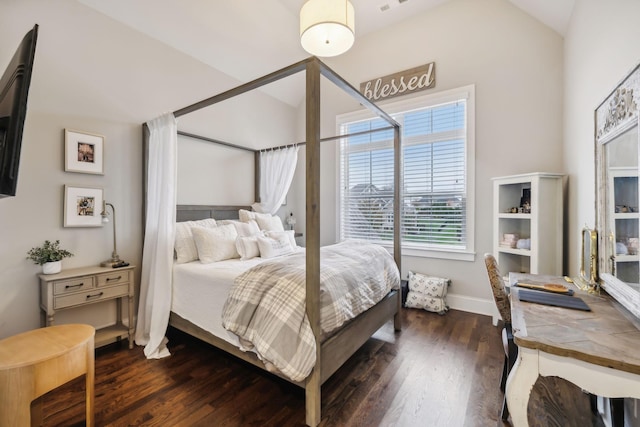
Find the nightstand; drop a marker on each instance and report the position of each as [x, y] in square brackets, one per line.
[79, 287]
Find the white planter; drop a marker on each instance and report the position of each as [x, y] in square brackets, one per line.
[52, 267]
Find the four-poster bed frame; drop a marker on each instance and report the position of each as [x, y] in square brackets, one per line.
[334, 351]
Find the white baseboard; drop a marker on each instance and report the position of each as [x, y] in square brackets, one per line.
[474, 305]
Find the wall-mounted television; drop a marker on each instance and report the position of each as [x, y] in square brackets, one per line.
[14, 90]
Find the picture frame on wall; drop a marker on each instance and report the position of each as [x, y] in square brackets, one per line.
[83, 152]
[82, 206]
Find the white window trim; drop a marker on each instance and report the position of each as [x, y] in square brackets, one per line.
[429, 100]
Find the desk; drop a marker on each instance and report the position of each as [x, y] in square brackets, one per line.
[596, 350]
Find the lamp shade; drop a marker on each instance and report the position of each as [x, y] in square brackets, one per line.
[327, 27]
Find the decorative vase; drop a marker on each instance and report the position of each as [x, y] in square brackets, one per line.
[52, 267]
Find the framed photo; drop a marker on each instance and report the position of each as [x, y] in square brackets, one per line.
[83, 152]
[82, 206]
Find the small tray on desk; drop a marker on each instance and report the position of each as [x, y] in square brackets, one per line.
[548, 298]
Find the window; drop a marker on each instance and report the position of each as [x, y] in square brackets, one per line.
[437, 189]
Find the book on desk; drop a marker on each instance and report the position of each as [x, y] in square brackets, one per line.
[551, 298]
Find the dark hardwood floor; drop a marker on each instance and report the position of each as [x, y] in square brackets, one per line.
[439, 371]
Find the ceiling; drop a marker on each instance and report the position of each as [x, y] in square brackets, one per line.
[246, 39]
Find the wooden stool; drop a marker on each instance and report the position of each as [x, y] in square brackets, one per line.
[35, 362]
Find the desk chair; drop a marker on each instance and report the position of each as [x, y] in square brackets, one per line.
[504, 308]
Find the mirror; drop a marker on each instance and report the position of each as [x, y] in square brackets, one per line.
[617, 207]
[588, 279]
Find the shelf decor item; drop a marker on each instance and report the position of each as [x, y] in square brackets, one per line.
[509, 240]
[83, 152]
[49, 256]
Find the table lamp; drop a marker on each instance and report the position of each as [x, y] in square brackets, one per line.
[115, 260]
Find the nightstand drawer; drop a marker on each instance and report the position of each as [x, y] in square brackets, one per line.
[90, 296]
[113, 278]
[73, 285]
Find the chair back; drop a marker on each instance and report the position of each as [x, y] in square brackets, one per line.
[497, 287]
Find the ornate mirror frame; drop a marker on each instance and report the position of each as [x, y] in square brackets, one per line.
[617, 115]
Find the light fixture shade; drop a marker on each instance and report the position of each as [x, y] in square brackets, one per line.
[327, 27]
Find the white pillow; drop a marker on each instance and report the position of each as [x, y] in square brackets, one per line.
[427, 292]
[291, 235]
[272, 247]
[245, 215]
[270, 223]
[247, 247]
[215, 244]
[227, 221]
[184, 245]
[429, 285]
[249, 228]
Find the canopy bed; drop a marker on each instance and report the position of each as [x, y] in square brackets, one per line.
[331, 350]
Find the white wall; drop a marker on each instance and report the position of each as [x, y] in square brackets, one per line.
[210, 173]
[214, 174]
[204, 180]
[601, 48]
[516, 64]
[96, 75]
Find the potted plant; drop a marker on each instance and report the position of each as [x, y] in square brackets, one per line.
[49, 256]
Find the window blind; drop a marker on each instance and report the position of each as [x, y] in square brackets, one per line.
[434, 178]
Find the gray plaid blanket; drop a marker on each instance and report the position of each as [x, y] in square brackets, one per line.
[266, 305]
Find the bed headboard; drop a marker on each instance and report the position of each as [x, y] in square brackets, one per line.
[196, 212]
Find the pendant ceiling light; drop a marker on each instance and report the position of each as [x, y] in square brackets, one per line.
[327, 27]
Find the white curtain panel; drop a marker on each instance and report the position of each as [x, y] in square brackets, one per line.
[276, 173]
[157, 257]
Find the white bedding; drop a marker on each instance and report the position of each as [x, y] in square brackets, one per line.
[354, 277]
[266, 304]
[200, 291]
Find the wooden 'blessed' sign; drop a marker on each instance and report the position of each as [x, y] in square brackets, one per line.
[402, 83]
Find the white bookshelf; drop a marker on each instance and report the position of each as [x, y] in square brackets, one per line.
[542, 223]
